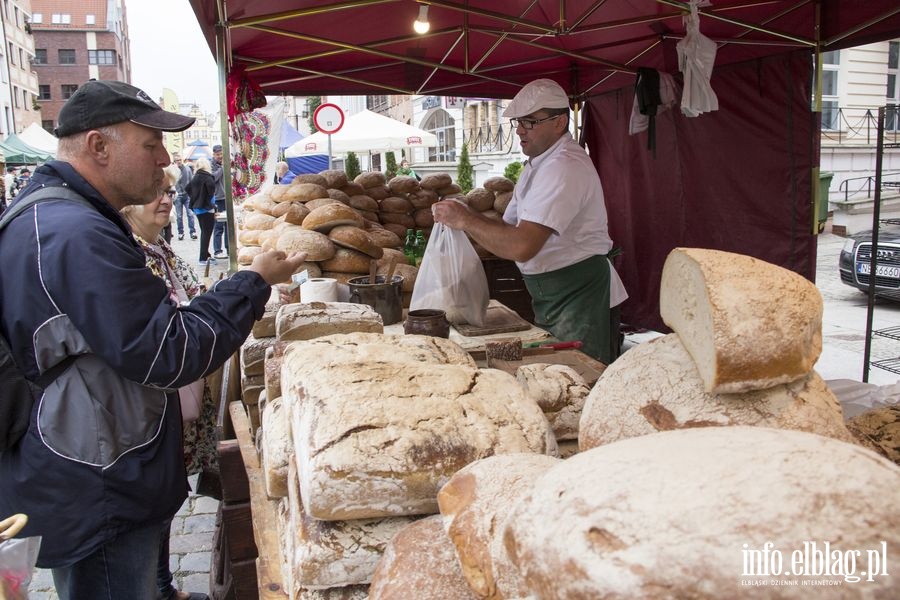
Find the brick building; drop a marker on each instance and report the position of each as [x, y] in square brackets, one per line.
[77, 40]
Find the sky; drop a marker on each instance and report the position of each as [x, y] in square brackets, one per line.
[168, 50]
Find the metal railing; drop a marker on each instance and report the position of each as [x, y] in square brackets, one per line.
[865, 125]
[867, 182]
[489, 139]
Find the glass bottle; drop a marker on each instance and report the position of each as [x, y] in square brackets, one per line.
[420, 246]
[409, 246]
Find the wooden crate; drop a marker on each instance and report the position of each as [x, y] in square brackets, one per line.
[505, 284]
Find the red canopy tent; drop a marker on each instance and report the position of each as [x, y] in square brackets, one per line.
[738, 179]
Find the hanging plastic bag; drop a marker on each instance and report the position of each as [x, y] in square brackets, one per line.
[17, 559]
[451, 278]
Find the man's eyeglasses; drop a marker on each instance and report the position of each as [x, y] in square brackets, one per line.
[530, 123]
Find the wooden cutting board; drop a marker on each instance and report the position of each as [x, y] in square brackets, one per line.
[498, 319]
[583, 364]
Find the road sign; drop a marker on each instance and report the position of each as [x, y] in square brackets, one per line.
[328, 118]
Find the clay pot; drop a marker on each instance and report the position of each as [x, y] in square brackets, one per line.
[427, 321]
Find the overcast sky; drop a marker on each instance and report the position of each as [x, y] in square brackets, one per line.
[168, 50]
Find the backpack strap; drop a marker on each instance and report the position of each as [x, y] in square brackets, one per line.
[44, 194]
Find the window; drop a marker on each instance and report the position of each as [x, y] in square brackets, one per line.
[90, 20]
[40, 56]
[47, 125]
[442, 125]
[16, 96]
[67, 19]
[21, 58]
[44, 92]
[831, 62]
[16, 15]
[67, 57]
[67, 90]
[37, 18]
[56, 18]
[12, 54]
[102, 57]
[25, 99]
[891, 118]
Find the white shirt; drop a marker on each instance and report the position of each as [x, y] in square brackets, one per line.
[560, 189]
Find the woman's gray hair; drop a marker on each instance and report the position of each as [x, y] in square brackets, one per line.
[202, 164]
[71, 145]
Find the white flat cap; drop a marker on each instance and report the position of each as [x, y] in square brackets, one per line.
[540, 93]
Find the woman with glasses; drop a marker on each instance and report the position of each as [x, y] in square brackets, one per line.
[555, 226]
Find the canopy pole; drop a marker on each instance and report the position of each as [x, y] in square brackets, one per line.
[221, 60]
[817, 109]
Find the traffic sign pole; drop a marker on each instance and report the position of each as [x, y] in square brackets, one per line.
[329, 118]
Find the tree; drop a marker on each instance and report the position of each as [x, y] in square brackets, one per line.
[512, 171]
[351, 166]
[465, 172]
[391, 170]
[313, 102]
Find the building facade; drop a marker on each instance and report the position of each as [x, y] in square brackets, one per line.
[19, 98]
[74, 41]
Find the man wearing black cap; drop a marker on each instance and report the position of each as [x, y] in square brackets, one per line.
[100, 469]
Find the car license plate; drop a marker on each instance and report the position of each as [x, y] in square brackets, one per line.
[880, 271]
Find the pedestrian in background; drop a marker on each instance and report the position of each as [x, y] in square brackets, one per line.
[101, 467]
[182, 200]
[220, 230]
[202, 190]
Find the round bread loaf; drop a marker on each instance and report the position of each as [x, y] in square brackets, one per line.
[403, 184]
[247, 253]
[423, 198]
[310, 178]
[402, 219]
[369, 179]
[280, 209]
[560, 392]
[370, 217]
[353, 189]
[325, 218]
[296, 213]
[297, 239]
[499, 184]
[276, 194]
[449, 190]
[406, 271]
[304, 192]
[501, 201]
[258, 221]
[249, 237]
[347, 261]
[419, 562]
[314, 204]
[424, 218]
[280, 221]
[395, 204]
[313, 269]
[249, 203]
[748, 324]
[264, 205]
[348, 236]
[334, 178]
[656, 387]
[397, 229]
[363, 202]
[879, 430]
[339, 196]
[378, 192]
[383, 237]
[436, 181]
[281, 225]
[480, 199]
[267, 239]
[475, 505]
[689, 514]
[390, 254]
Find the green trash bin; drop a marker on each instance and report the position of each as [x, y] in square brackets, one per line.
[824, 183]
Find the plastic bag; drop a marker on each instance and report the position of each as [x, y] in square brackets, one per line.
[451, 278]
[17, 560]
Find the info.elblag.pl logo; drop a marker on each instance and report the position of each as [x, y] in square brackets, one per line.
[813, 562]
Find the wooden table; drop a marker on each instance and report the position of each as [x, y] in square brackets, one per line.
[263, 511]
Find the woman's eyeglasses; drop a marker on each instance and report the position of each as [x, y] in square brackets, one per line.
[171, 193]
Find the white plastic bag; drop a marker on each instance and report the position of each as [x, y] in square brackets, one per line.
[451, 278]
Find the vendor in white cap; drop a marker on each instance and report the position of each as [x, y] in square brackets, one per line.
[555, 227]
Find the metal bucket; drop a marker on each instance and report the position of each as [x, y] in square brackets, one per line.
[383, 296]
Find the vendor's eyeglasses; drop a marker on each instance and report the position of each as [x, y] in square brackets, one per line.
[530, 123]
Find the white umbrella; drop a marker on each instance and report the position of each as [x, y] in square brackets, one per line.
[36, 136]
[365, 132]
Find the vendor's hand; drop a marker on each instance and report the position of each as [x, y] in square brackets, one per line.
[276, 267]
[451, 213]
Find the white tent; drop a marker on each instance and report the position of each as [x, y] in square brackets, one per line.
[365, 132]
[38, 137]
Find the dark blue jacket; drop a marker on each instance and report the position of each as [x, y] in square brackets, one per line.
[103, 453]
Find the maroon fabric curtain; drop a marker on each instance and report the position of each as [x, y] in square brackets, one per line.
[739, 179]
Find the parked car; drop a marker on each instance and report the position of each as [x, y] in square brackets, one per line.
[855, 267]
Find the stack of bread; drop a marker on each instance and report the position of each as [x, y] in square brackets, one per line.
[364, 431]
[672, 491]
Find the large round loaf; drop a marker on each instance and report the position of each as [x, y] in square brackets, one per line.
[502, 201]
[560, 392]
[369, 179]
[339, 196]
[378, 192]
[362, 202]
[499, 184]
[688, 514]
[309, 320]
[346, 260]
[747, 323]
[258, 221]
[435, 181]
[395, 204]
[382, 237]
[423, 198]
[310, 178]
[247, 254]
[334, 178]
[656, 387]
[879, 430]
[419, 563]
[355, 238]
[314, 204]
[403, 184]
[304, 192]
[480, 199]
[325, 218]
[475, 505]
[316, 245]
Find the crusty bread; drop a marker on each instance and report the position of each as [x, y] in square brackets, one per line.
[325, 218]
[346, 260]
[407, 272]
[397, 218]
[378, 192]
[265, 326]
[383, 238]
[310, 178]
[314, 204]
[403, 184]
[501, 201]
[249, 237]
[748, 324]
[247, 253]
[354, 238]
[879, 430]
[258, 221]
[306, 321]
[655, 386]
[276, 447]
[272, 369]
[560, 392]
[395, 204]
[677, 514]
[251, 387]
[422, 198]
[499, 184]
[435, 181]
[423, 218]
[253, 354]
[297, 239]
[339, 196]
[353, 189]
[370, 179]
[334, 178]
[480, 199]
[304, 192]
[475, 505]
[363, 202]
[450, 190]
[420, 563]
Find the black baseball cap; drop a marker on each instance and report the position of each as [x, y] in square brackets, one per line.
[100, 103]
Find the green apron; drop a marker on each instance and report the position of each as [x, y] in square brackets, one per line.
[572, 303]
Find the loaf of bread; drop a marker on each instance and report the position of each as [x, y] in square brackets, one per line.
[403, 184]
[325, 218]
[475, 505]
[251, 387]
[334, 178]
[253, 354]
[499, 184]
[685, 514]
[379, 436]
[276, 447]
[247, 253]
[560, 392]
[272, 369]
[748, 324]
[305, 321]
[310, 178]
[296, 239]
[656, 387]
[350, 592]
[420, 563]
[879, 430]
[348, 261]
[265, 326]
[509, 349]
